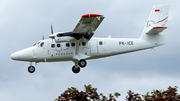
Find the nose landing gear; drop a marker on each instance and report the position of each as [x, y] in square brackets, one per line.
[31, 68]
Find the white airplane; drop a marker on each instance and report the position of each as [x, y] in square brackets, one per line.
[79, 46]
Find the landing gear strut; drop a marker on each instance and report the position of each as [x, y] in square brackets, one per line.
[31, 69]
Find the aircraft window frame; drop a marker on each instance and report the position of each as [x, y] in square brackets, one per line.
[67, 44]
[42, 44]
[52, 45]
[83, 43]
[100, 43]
[73, 44]
[58, 45]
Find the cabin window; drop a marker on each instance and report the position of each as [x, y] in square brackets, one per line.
[72, 44]
[67, 44]
[58, 45]
[100, 43]
[83, 43]
[41, 45]
[52, 45]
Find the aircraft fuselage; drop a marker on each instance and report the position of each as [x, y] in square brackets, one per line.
[93, 49]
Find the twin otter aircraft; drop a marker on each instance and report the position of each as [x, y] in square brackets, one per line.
[79, 46]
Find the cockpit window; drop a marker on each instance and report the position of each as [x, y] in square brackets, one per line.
[36, 43]
[41, 45]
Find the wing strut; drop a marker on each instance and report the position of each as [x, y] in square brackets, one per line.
[78, 56]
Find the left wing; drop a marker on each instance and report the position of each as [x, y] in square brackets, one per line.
[88, 24]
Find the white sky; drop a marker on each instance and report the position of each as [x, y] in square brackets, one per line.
[23, 22]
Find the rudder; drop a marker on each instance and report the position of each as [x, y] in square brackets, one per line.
[156, 26]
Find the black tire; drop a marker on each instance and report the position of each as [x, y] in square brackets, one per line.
[75, 70]
[31, 69]
[82, 63]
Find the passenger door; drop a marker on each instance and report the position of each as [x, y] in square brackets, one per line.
[94, 47]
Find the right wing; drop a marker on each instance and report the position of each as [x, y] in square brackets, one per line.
[88, 24]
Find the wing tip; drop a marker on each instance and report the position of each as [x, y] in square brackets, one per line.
[91, 15]
[159, 27]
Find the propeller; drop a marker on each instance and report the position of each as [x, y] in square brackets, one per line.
[51, 36]
[42, 37]
[51, 29]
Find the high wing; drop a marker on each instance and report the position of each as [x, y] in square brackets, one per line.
[85, 29]
[88, 24]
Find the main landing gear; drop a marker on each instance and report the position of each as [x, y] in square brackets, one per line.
[76, 69]
[81, 63]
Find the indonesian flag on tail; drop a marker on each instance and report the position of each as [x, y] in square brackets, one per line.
[157, 10]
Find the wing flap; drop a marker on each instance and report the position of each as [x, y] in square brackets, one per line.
[156, 30]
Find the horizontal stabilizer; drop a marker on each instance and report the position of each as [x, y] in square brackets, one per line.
[156, 30]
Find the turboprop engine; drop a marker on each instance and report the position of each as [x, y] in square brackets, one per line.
[62, 37]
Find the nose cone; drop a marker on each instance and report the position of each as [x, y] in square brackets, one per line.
[23, 55]
[15, 56]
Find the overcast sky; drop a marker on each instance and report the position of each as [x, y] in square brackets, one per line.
[23, 22]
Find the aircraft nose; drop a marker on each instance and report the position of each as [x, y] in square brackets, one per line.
[23, 55]
[14, 56]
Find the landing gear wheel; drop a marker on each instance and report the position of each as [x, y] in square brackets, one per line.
[31, 69]
[75, 70]
[82, 63]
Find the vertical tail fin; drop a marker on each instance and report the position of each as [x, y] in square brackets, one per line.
[154, 30]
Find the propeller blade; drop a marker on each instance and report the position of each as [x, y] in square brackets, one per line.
[42, 37]
[51, 29]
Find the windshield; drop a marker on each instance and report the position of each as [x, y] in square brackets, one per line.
[36, 43]
[42, 43]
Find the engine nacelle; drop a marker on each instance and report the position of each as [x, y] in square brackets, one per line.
[62, 37]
